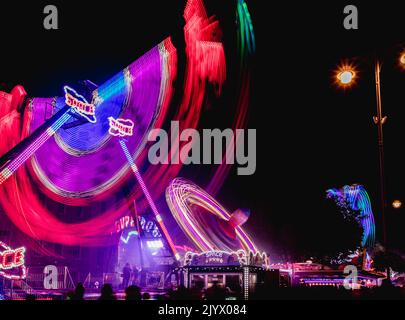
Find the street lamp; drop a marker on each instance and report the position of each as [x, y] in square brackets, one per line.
[379, 120]
[396, 204]
[402, 60]
[345, 77]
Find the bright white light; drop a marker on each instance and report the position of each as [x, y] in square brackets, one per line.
[397, 204]
[155, 244]
[402, 60]
[346, 77]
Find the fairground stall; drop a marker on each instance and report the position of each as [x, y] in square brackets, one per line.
[237, 273]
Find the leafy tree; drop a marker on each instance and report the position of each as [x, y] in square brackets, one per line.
[339, 236]
[383, 258]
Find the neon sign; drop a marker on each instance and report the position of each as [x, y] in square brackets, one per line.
[80, 104]
[129, 235]
[123, 223]
[219, 258]
[12, 262]
[121, 127]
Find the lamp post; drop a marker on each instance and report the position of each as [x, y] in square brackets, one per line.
[345, 77]
[379, 120]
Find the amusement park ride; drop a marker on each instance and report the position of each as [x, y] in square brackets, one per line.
[79, 149]
[75, 173]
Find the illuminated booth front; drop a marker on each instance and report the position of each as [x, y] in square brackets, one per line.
[143, 246]
[237, 272]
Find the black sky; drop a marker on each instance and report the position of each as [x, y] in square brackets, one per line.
[311, 136]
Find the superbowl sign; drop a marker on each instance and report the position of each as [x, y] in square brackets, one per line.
[80, 104]
[12, 262]
[121, 127]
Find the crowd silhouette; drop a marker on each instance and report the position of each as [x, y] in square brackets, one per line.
[262, 292]
[133, 292]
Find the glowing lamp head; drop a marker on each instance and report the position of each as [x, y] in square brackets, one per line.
[402, 60]
[396, 204]
[345, 76]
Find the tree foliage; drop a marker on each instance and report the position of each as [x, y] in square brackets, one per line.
[383, 258]
[340, 235]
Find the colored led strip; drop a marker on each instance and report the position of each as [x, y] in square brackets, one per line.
[130, 234]
[246, 34]
[38, 142]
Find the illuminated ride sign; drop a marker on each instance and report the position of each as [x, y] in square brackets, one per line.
[123, 223]
[12, 262]
[121, 127]
[80, 104]
[223, 258]
[215, 258]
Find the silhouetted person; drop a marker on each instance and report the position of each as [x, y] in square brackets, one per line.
[126, 275]
[133, 293]
[146, 296]
[107, 293]
[79, 292]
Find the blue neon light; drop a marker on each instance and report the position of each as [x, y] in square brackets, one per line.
[129, 235]
[356, 197]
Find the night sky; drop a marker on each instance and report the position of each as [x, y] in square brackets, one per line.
[311, 136]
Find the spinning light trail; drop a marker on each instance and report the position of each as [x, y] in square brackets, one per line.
[246, 49]
[32, 144]
[183, 197]
[28, 147]
[138, 92]
[79, 166]
[356, 197]
[246, 34]
[78, 163]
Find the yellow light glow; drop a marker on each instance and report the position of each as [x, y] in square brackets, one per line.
[345, 75]
[397, 204]
[402, 60]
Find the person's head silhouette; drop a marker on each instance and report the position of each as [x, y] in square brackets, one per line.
[107, 292]
[133, 293]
